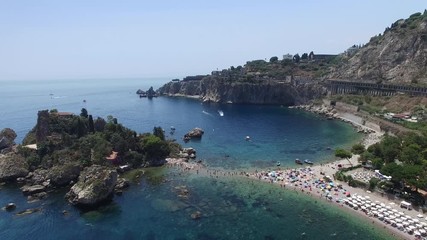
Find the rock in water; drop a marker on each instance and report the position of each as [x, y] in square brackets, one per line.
[12, 166]
[95, 185]
[10, 207]
[195, 133]
[30, 190]
[196, 215]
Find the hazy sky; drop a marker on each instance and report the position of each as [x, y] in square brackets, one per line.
[59, 39]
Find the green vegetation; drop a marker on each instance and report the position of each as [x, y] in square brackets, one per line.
[402, 158]
[79, 139]
[341, 153]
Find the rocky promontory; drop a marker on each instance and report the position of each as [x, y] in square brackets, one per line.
[12, 166]
[96, 185]
[267, 91]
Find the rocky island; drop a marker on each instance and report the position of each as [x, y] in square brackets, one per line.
[87, 156]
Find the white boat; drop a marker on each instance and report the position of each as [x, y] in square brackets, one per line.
[221, 113]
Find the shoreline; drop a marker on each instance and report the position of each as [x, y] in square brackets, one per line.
[307, 183]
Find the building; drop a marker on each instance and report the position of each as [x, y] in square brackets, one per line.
[288, 57]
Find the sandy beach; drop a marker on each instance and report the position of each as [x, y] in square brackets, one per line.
[312, 181]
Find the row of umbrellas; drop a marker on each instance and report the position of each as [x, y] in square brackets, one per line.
[388, 214]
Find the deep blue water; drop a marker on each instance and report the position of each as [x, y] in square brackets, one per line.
[232, 208]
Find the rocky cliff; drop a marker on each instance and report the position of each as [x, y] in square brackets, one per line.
[399, 55]
[215, 89]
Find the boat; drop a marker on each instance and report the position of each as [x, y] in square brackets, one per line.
[297, 161]
[308, 162]
[221, 113]
[278, 163]
[247, 138]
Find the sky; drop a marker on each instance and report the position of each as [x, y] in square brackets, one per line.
[75, 39]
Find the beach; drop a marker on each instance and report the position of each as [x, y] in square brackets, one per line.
[317, 181]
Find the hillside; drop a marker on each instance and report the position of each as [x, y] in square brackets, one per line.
[399, 55]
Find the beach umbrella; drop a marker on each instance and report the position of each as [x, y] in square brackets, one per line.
[398, 220]
[382, 205]
[422, 231]
[417, 233]
[405, 223]
[388, 207]
[380, 216]
[420, 216]
[416, 220]
[419, 226]
[404, 218]
[394, 210]
[367, 197]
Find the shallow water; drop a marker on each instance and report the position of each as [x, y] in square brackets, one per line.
[230, 207]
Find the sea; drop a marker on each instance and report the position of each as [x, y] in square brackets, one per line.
[237, 137]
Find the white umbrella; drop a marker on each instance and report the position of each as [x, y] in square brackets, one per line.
[416, 233]
[367, 197]
[382, 205]
[398, 220]
[416, 220]
[404, 218]
[405, 223]
[394, 210]
[388, 207]
[422, 231]
[420, 216]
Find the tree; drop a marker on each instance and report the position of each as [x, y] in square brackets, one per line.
[411, 154]
[304, 56]
[154, 148]
[84, 113]
[341, 153]
[99, 124]
[296, 58]
[158, 132]
[91, 124]
[274, 59]
[358, 149]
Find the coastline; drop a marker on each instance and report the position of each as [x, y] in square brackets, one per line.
[318, 171]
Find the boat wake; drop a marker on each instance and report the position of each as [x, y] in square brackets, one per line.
[221, 113]
[206, 113]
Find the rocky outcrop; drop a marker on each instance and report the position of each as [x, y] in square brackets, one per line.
[398, 55]
[12, 166]
[95, 185]
[42, 127]
[62, 175]
[259, 92]
[220, 90]
[7, 138]
[30, 190]
[182, 88]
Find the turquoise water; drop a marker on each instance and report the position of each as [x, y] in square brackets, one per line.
[231, 208]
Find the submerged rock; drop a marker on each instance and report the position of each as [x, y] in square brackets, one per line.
[95, 185]
[196, 215]
[28, 211]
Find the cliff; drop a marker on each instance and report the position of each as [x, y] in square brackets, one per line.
[224, 90]
[399, 55]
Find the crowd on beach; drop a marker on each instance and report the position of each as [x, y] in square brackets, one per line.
[318, 181]
[306, 180]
